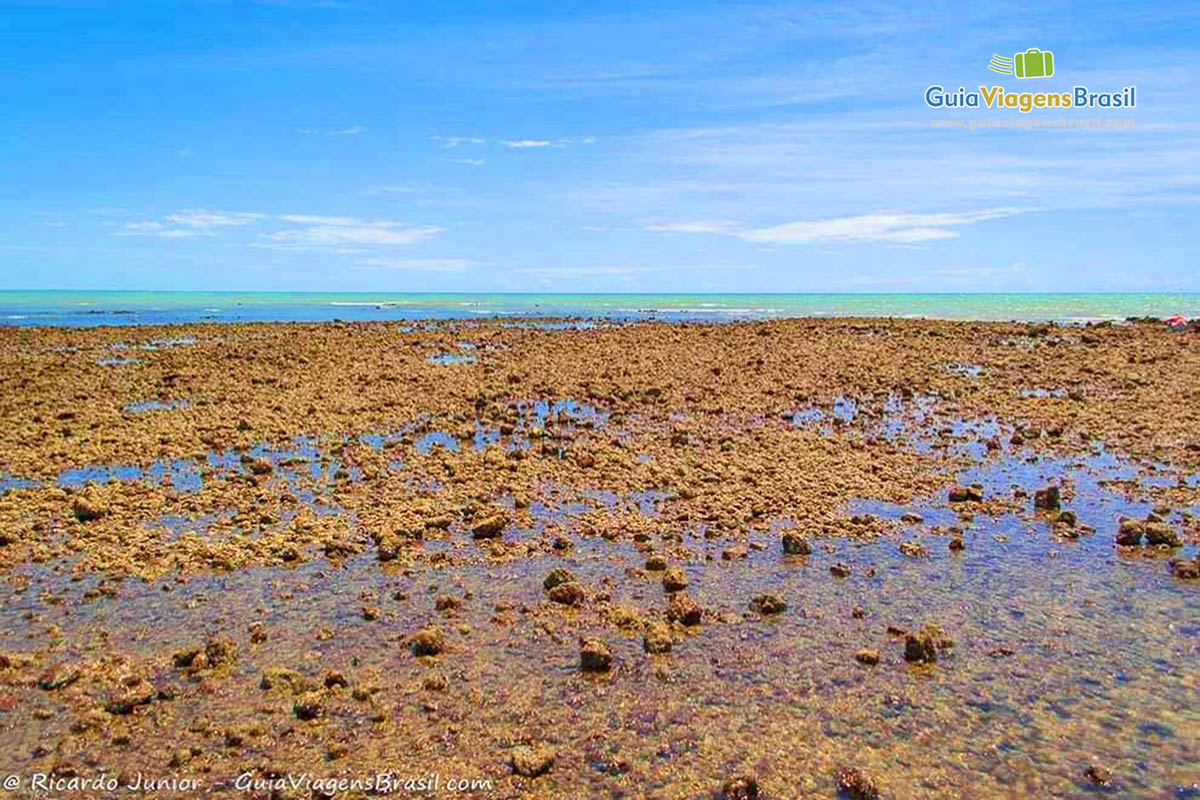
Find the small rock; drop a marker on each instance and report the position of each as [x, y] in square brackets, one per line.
[308, 706]
[839, 570]
[140, 694]
[1066, 518]
[656, 564]
[966, 494]
[743, 788]
[867, 655]
[333, 679]
[684, 610]
[914, 550]
[530, 762]
[657, 639]
[1098, 774]
[856, 785]
[1048, 499]
[922, 647]
[796, 545]
[1160, 533]
[428, 641]
[568, 594]
[768, 604]
[734, 554]
[58, 676]
[220, 651]
[279, 678]
[594, 655]
[88, 507]
[1186, 570]
[447, 604]
[957, 544]
[435, 682]
[1130, 533]
[490, 528]
[557, 576]
[675, 579]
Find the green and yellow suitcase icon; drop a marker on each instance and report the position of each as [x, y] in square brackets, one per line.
[1033, 63]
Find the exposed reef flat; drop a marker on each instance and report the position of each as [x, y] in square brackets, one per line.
[776, 559]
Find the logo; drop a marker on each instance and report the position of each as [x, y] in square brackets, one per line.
[1033, 63]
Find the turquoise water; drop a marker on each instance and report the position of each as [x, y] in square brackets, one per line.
[84, 308]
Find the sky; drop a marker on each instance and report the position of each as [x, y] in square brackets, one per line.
[591, 146]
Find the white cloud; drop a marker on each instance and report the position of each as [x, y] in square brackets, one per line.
[878, 227]
[520, 144]
[185, 224]
[353, 130]
[902, 228]
[354, 232]
[152, 228]
[205, 220]
[473, 162]
[695, 226]
[313, 219]
[420, 264]
[454, 141]
[523, 144]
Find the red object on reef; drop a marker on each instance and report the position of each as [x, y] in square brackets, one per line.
[1177, 321]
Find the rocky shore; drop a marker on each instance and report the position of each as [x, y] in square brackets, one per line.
[880, 558]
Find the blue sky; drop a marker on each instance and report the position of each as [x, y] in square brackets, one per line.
[651, 146]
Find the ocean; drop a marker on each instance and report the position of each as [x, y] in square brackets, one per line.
[90, 308]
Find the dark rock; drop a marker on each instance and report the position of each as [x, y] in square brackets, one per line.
[656, 564]
[868, 656]
[1130, 533]
[308, 706]
[88, 507]
[1160, 533]
[279, 678]
[557, 576]
[742, 788]
[796, 545]
[957, 544]
[966, 494]
[856, 785]
[220, 651]
[490, 528]
[1098, 774]
[922, 647]
[447, 604]
[839, 570]
[140, 694]
[767, 604]
[594, 655]
[58, 676]
[675, 579]
[530, 762]
[428, 641]
[657, 639]
[1048, 499]
[568, 594]
[1186, 570]
[684, 610]
[914, 550]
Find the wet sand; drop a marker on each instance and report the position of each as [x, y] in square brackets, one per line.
[797, 558]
